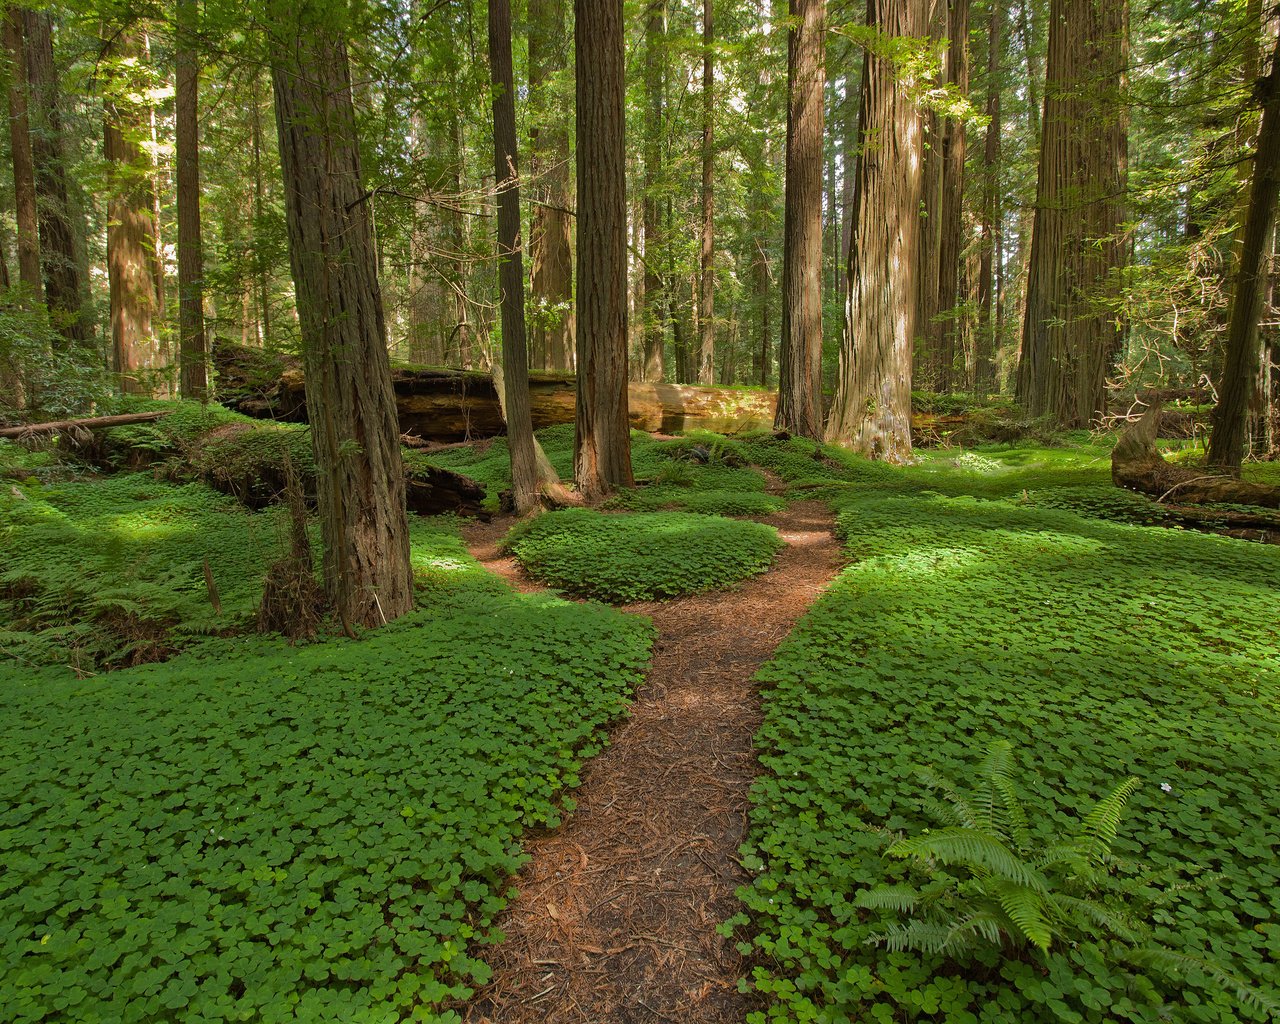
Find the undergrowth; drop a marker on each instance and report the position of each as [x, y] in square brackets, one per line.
[979, 607]
[253, 831]
[641, 556]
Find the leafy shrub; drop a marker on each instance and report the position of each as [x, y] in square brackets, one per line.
[641, 556]
[1103, 650]
[1099, 501]
[714, 502]
[53, 381]
[253, 831]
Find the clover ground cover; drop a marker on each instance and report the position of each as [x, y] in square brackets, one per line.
[254, 831]
[1100, 650]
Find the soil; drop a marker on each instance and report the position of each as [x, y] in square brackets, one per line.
[615, 922]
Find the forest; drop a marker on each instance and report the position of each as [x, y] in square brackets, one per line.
[639, 511]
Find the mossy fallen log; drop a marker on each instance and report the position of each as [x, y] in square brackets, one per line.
[452, 405]
[1136, 464]
[254, 461]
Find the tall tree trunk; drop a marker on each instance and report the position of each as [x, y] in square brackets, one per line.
[849, 146]
[515, 356]
[951, 249]
[263, 290]
[928, 252]
[800, 352]
[707, 280]
[354, 435]
[192, 357]
[62, 259]
[1070, 337]
[1240, 372]
[24, 173]
[602, 439]
[872, 409]
[655, 33]
[550, 242]
[987, 343]
[136, 354]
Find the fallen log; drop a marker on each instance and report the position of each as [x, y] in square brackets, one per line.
[254, 463]
[1137, 465]
[454, 405]
[91, 423]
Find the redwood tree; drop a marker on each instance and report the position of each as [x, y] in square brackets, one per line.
[350, 403]
[655, 31]
[800, 351]
[515, 357]
[707, 272]
[951, 247]
[602, 440]
[872, 409]
[193, 373]
[24, 175]
[1071, 332]
[1227, 441]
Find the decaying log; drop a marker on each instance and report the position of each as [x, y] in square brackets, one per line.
[453, 405]
[252, 462]
[91, 423]
[1137, 465]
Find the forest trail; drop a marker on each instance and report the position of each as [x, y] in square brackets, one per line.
[617, 913]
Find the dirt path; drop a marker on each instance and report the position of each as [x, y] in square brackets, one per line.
[617, 913]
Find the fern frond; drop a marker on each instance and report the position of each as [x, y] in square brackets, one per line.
[914, 936]
[970, 848]
[1169, 962]
[1025, 908]
[960, 811]
[902, 898]
[1104, 917]
[1101, 824]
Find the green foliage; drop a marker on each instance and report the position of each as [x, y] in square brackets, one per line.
[53, 381]
[111, 571]
[1103, 650]
[642, 556]
[254, 831]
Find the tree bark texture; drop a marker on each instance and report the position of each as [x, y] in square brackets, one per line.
[137, 356]
[987, 341]
[872, 409]
[602, 445]
[951, 248]
[655, 33]
[800, 350]
[928, 251]
[355, 437]
[193, 380]
[24, 173]
[62, 256]
[515, 355]
[1240, 369]
[707, 276]
[1070, 333]
[550, 242]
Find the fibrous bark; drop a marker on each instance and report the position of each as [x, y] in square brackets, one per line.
[707, 275]
[24, 174]
[550, 247]
[192, 357]
[137, 357]
[602, 446]
[951, 248]
[800, 351]
[1071, 333]
[1240, 371]
[515, 358]
[872, 409]
[355, 439]
[986, 343]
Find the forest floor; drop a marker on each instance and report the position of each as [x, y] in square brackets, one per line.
[617, 914]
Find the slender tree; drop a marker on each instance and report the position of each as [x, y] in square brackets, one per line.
[654, 300]
[707, 276]
[872, 408]
[62, 256]
[24, 173]
[800, 352]
[1240, 371]
[1071, 332]
[354, 433]
[951, 247]
[602, 439]
[988, 335]
[137, 356]
[515, 356]
[193, 377]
